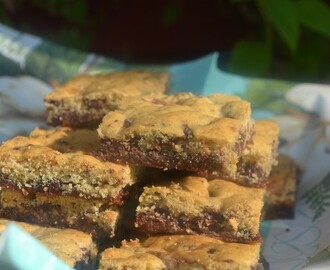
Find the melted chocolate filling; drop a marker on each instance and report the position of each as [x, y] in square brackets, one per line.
[54, 189]
[209, 223]
[162, 154]
[53, 215]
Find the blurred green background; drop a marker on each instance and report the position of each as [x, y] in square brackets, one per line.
[284, 39]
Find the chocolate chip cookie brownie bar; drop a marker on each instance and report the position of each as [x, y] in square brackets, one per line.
[254, 164]
[193, 205]
[97, 217]
[50, 178]
[87, 98]
[73, 247]
[182, 131]
[181, 252]
[59, 162]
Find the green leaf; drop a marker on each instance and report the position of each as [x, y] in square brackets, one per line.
[315, 15]
[309, 62]
[249, 58]
[283, 15]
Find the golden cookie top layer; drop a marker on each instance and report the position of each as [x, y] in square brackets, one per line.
[125, 83]
[67, 244]
[60, 160]
[208, 252]
[185, 252]
[131, 256]
[219, 119]
[239, 205]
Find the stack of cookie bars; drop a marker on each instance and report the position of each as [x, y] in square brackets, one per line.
[189, 172]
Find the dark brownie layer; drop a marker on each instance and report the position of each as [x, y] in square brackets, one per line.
[54, 189]
[69, 118]
[248, 170]
[97, 217]
[245, 174]
[208, 224]
[162, 155]
[41, 215]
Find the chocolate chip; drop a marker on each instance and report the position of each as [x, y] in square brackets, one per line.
[211, 251]
[187, 131]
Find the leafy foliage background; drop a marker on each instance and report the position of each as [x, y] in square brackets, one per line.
[285, 39]
[294, 36]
